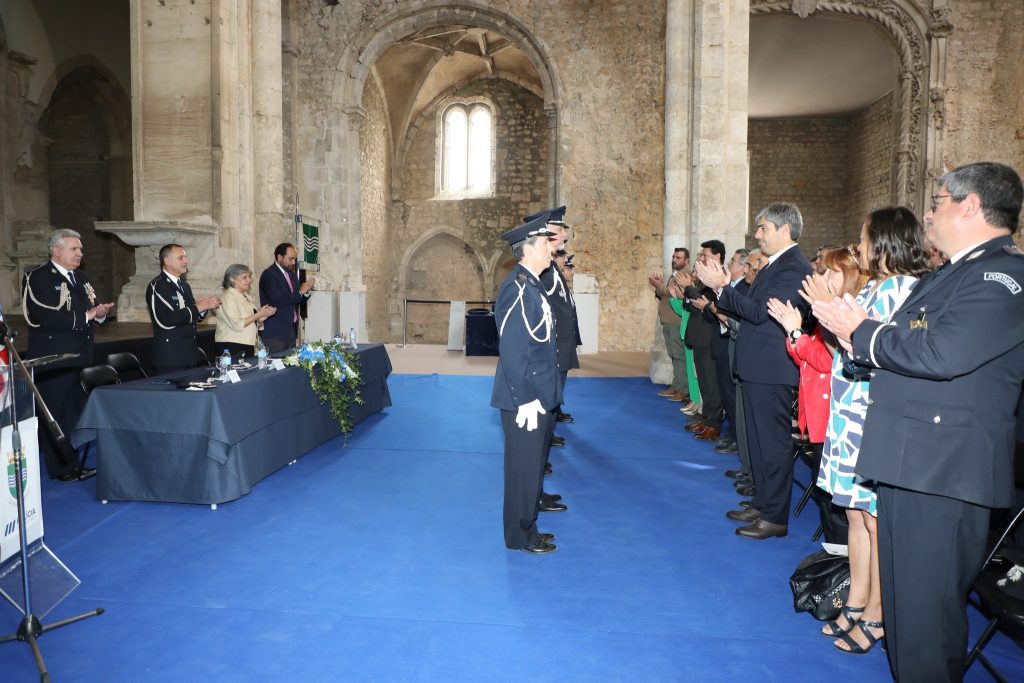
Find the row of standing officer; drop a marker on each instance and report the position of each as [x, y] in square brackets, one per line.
[538, 333]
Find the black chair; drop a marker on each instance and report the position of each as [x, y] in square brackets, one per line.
[205, 360]
[125, 363]
[1004, 611]
[89, 379]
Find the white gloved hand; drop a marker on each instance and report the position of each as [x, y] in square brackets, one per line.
[528, 413]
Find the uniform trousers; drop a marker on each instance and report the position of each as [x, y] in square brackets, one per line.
[525, 454]
[677, 352]
[63, 396]
[930, 550]
[544, 497]
[767, 412]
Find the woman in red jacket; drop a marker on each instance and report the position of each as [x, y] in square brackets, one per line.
[811, 351]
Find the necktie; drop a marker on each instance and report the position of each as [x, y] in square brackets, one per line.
[71, 276]
[291, 288]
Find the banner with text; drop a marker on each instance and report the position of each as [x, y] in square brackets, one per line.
[9, 542]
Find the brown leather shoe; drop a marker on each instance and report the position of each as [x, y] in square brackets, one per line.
[745, 515]
[762, 529]
[677, 397]
[667, 391]
[708, 434]
[695, 427]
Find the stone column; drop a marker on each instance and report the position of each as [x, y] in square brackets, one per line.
[706, 169]
[267, 136]
[191, 147]
[678, 83]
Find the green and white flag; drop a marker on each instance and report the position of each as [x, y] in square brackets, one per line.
[309, 235]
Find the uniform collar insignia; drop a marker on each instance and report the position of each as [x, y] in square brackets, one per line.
[974, 254]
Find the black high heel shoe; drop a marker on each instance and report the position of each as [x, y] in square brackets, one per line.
[832, 629]
[855, 647]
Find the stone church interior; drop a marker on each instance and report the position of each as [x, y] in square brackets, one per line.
[418, 131]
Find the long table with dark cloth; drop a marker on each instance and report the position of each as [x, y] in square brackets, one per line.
[156, 442]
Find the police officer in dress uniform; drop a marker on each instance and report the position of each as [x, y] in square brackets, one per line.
[939, 434]
[61, 311]
[526, 384]
[175, 313]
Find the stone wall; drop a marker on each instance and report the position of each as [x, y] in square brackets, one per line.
[520, 157]
[803, 161]
[872, 158]
[609, 69]
[985, 84]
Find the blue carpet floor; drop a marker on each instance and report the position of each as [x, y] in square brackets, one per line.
[381, 559]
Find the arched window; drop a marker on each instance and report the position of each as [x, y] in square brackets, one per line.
[467, 140]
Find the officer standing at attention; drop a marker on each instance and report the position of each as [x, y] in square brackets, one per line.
[526, 384]
[61, 311]
[939, 433]
[175, 313]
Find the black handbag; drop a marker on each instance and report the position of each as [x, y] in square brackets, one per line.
[821, 584]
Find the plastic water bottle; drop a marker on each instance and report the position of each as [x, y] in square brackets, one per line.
[261, 355]
[338, 340]
[225, 364]
[352, 337]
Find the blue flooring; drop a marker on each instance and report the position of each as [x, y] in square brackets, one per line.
[381, 559]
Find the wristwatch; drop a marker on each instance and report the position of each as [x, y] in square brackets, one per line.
[794, 335]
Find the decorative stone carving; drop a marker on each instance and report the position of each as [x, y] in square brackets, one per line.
[939, 25]
[804, 8]
[913, 51]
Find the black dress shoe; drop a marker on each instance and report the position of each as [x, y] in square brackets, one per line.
[552, 506]
[736, 474]
[70, 475]
[557, 441]
[550, 496]
[729, 447]
[547, 468]
[86, 473]
[564, 417]
[540, 548]
[745, 515]
[762, 529]
[747, 491]
[546, 538]
[746, 503]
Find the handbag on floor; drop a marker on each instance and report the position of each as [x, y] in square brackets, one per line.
[821, 584]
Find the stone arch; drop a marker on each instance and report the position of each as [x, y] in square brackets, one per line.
[919, 42]
[437, 237]
[87, 121]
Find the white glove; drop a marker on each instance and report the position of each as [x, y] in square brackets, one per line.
[528, 413]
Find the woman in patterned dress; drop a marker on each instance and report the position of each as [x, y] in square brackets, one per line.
[893, 255]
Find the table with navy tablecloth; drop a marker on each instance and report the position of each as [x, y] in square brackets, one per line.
[157, 442]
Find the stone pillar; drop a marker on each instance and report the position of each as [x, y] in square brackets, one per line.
[192, 152]
[268, 155]
[676, 226]
[706, 169]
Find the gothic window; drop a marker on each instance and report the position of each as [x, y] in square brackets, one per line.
[466, 151]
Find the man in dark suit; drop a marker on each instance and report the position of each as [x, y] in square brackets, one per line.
[701, 330]
[769, 376]
[174, 313]
[527, 388]
[61, 310]
[722, 352]
[280, 288]
[939, 433]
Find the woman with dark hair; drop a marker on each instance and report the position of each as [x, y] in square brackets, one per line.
[893, 255]
[238, 317]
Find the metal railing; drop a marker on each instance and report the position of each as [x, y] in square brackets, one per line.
[405, 313]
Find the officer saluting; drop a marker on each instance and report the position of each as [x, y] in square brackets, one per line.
[175, 313]
[526, 384]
